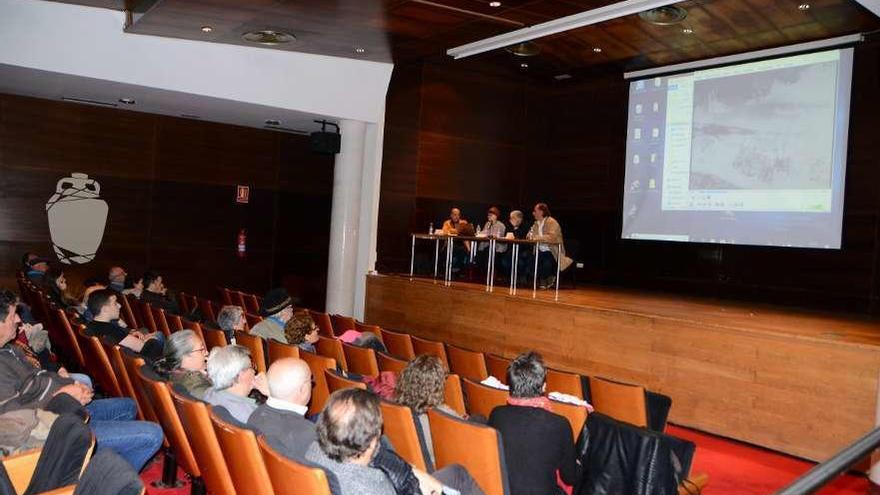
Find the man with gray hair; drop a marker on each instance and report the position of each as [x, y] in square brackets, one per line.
[233, 377]
[231, 319]
[282, 418]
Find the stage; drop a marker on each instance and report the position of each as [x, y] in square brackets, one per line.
[794, 381]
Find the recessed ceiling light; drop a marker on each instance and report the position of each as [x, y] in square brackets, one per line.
[687, 30]
[207, 29]
[127, 101]
[360, 50]
[562, 77]
[597, 49]
[494, 4]
[273, 122]
[804, 6]
[524, 65]
[268, 37]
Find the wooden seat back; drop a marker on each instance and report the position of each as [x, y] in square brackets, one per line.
[453, 395]
[398, 344]
[277, 351]
[336, 382]
[254, 343]
[621, 401]
[467, 364]
[214, 338]
[159, 395]
[576, 416]
[476, 447]
[430, 347]
[342, 324]
[567, 383]
[400, 428]
[481, 399]
[123, 378]
[320, 391]
[497, 367]
[160, 320]
[322, 320]
[388, 363]
[195, 416]
[243, 458]
[360, 360]
[332, 348]
[98, 365]
[290, 477]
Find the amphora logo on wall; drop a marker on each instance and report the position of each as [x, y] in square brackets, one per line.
[77, 217]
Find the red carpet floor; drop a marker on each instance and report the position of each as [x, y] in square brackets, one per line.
[734, 468]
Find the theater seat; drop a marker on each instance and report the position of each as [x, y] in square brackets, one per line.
[400, 428]
[476, 447]
[195, 416]
[364, 328]
[289, 477]
[70, 338]
[214, 338]
[342, 324]
[123, 378]
[566, 383]
[361, 360]
[195, 327]
[336, 382]
[225, 296]
[243, 457]
[322, 320]
[132, 364]
[621, 401]
[187, 302]
[147, 313]
[251, 303]
[277, 351]
[332, 348]
[209, 312]
[252, 319]
[453, 396]
[159, 320]
[128, 315]
[482, 399]
[398, 344]
[467, 364]
[175, 323]
[99, 364]
[497, 367]
[388, 363]
[430, 347]
[320, 392]
[255, 344]
[576, 416]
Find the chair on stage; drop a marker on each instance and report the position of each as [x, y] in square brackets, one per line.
[388, 363]
[497, 367]
[400, 428]
[320, 392]
[482, 399]
[566, 383]
[621, 401]
[398, 344]
[278, 350]
[361, 360]
[467, 364]
[332, 348]
[453, 395]
[289, 477]
[254, 343]
[243, 457]
[335, 382]
[430, 347]
[476, 447]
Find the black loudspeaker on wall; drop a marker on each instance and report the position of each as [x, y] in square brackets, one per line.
[327, 143]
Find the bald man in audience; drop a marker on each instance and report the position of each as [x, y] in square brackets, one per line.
[282, 418]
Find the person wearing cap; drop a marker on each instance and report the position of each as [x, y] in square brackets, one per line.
[277, 309]
[493, 228]
[37, 268]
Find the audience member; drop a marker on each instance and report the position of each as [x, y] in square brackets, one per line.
[233, 376]
[24, 386]
[538, 444]
[55, 286]
[278, 309]
[546, 228]
[83, 307]
[282, 418]
[156, 294]
[136, 289]
[106, 324]
[116, 278]
[230, 319]
[421, 386]
[184, 363]
[26, 261]
[349, 446]
[36, 269]
[302, 331]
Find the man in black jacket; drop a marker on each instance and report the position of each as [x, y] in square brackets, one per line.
[537, 443]
[156, 294]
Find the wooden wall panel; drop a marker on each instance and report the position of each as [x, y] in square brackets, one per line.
[170, 184]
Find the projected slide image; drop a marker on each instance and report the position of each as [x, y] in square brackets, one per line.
[766, 130]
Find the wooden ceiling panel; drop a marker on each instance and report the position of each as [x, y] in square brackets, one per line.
[407, 30]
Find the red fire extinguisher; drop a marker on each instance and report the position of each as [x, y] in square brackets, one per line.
[242, 243]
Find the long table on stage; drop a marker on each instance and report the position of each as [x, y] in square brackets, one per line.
[794, 381]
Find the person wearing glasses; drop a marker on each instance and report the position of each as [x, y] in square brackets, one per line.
[184, 363]
[302, 331]
[233, 377]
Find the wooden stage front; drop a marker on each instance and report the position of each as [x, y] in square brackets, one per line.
[794, 381]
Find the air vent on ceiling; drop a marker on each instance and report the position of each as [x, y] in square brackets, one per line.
[664, 16]
[86, 101]
[268, 37]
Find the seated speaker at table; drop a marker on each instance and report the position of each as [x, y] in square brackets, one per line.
[547, 229]
[456, 225]
[493, 228]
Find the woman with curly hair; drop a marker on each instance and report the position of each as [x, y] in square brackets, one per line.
[421, 386]
[301, 331]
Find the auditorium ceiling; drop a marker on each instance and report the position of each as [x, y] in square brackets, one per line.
[408, 30]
